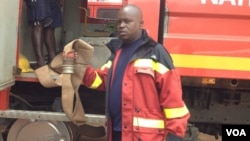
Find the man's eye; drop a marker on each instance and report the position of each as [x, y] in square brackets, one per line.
[127, 21]
[118, 22]
[124, 21]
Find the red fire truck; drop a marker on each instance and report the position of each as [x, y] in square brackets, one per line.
[208, 40]
[103, 8]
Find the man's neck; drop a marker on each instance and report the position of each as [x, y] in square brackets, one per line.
[131, 41]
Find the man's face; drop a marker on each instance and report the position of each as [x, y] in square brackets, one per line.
[129, 25]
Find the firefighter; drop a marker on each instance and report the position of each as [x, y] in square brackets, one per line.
[43, 16]
[144, 94]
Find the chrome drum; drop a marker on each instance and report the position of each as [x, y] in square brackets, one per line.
[28, 130]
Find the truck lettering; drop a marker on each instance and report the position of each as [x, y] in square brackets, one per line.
[221, 2]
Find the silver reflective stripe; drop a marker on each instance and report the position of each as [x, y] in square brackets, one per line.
[148, 123]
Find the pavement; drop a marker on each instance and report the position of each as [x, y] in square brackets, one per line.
[206, 137]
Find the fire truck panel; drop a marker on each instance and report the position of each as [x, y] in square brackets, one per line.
[209, 38]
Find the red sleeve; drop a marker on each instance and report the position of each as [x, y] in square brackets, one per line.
[175, 110]
[91, 75]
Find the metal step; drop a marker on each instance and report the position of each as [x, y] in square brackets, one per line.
[91, 119]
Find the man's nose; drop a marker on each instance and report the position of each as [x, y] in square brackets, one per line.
[122, 24]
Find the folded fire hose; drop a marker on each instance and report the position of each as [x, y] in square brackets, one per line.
[67, 70]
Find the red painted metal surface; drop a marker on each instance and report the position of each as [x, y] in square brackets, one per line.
[4, 99]
[93, 8]
[18, 31]
[209, 28]
[150, 10]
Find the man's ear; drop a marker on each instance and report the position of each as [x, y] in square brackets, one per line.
[141, 24]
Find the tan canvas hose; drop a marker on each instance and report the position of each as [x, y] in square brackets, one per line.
[67, 70]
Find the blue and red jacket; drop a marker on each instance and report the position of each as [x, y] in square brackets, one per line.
[152, 104]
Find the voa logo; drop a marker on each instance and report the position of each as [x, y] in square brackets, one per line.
[232, 2]
[236, 132]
